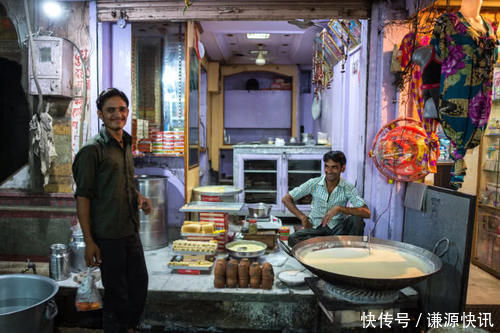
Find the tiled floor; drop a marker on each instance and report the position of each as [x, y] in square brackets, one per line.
[483, 288]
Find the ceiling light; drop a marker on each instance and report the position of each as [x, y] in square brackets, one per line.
[258, 35]
[52, 9]
[260, 60]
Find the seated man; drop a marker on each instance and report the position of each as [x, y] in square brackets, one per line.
[330, 193]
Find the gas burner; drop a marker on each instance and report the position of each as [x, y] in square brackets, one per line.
[358, 295]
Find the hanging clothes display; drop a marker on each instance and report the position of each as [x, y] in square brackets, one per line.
[468, 57]
[409, 43]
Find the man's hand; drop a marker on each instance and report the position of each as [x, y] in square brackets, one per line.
[145, 204]
[329, 216]
[92, 254]
[306, 223]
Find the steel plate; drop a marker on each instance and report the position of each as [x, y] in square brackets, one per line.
[245, 254]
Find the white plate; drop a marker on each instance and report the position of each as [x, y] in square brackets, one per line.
[293, 277]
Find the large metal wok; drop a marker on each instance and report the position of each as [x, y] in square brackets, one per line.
[431, 261]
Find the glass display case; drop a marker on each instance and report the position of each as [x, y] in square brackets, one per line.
[487, 229]
[260, 180]
[267, 172]
[301, 169]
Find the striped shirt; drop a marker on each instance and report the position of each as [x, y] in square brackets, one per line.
[322, 202]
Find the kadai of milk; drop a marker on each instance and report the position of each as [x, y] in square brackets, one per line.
[381, 263]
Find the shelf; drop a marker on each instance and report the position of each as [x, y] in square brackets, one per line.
[493, 134]
[260, 171]
[259, 191]
[489, 207]
[495, 171]
[304, 171]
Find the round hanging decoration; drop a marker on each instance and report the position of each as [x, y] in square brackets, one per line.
[399, 150]
[316, 105]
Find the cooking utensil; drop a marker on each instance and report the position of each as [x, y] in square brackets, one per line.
[259, 210]
[432, 262]
[241, 249]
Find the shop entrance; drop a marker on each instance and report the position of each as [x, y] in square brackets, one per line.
[14, 112]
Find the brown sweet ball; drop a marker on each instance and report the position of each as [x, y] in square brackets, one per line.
[243, 273]
[220, 273]
[232, 273]
[255, 275]
[267, 276]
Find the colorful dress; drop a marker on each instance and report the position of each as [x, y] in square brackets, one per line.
[468, 57]
[408, 45]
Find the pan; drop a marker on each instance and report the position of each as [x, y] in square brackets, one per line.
[430, 263]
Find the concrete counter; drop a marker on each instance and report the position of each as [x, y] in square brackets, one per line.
[181, 300]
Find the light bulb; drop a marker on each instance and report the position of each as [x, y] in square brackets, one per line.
[52, 9]
[260, 60]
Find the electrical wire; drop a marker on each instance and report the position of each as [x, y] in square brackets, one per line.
[372, 232]
[33, 63]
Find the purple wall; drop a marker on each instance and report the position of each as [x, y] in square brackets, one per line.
[387, 209]
[116, 54]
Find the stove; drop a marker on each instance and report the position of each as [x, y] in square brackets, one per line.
[344, 305]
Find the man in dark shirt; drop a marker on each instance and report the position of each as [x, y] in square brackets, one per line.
[108, 210]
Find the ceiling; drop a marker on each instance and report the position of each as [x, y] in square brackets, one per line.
[226, 41]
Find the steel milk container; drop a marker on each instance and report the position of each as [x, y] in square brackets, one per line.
[59, 262]
[77, 252]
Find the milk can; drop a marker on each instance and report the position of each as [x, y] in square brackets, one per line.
[59, 262]
[77, 252]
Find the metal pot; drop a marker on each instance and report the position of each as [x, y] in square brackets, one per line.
[259, 210]
[59, 262]
[430, 260]
[238, 249]
[26, 303]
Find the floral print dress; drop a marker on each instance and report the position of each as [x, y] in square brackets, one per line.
[468, 57]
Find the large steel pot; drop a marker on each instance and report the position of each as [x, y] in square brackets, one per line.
[153, 226]
[26, 303]
[431, 261]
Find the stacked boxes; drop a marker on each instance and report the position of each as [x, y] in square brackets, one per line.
[168, 143]
[221, 221]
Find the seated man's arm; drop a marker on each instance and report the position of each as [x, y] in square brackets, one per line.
[360, 208]
[295, 194]
[290, 204]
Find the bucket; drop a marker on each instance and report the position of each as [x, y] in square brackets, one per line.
[153, 227]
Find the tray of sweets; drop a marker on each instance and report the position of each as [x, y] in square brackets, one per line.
[200, 265]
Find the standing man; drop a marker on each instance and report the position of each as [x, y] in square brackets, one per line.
[330, 193]
[107, 204]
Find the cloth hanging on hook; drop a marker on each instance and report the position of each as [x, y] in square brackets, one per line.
[42, 141]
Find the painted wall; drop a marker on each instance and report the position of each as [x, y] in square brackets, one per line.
[343, 112]
[387, 210]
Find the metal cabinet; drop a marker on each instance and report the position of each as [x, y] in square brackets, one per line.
[267, 173]
[54, 66]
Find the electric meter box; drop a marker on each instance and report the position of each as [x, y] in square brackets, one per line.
[54, 66]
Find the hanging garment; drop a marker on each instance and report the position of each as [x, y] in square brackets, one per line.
[408, 44]
[468, 57]
[42, 140]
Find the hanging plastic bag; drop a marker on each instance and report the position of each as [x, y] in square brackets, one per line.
[87, 295]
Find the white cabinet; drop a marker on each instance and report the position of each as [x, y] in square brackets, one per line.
[266, 172]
